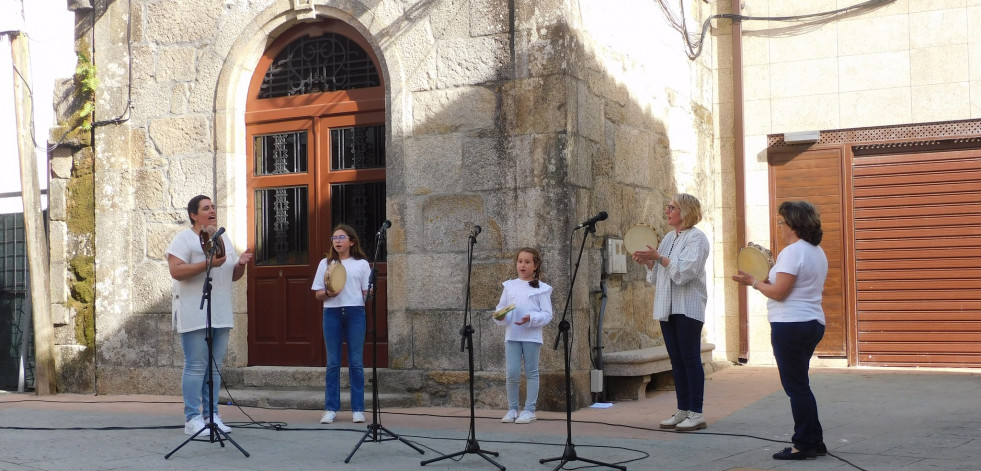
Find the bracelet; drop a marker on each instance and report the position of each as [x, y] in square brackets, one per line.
[754, 284]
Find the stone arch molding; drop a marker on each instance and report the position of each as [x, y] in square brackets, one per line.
[231, 90]
[231, 94]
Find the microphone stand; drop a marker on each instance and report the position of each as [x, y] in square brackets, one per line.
[372, 434]
[215, 433]
[569, 454]
[467, 341]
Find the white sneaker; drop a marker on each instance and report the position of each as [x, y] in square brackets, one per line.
[509, 417]
[693, 422]
[526, 417]
[328, 417]
[221, 425]
[358, 417]
[193, 425]
[675, 419]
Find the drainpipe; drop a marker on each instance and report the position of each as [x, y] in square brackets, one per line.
[739, 150]
[596, 377]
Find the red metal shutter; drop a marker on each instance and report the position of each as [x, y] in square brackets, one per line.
[917, 234]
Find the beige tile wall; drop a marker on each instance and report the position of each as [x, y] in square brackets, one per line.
[910, 61]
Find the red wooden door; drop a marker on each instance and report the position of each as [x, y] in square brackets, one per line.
[315, 125]
[815, 176]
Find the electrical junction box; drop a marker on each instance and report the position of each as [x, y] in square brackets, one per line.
[616, 257]
[596, 381]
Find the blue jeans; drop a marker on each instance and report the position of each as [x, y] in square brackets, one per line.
[193, 384]
[344, 324]
[793, 344]
[683, 339]
[513, 353]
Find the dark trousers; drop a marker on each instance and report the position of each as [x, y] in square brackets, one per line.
[683, 339]
[793, 344]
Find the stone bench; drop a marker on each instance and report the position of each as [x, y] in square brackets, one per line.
[628, 372]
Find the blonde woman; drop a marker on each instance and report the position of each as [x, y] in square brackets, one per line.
[677, 269]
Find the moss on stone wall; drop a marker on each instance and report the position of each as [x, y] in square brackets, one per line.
[81, 226]
[81, 195]
[83, 298]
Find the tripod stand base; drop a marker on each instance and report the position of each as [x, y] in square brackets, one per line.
[372, 435]
[214, 435]
[569, 454]
[472, 447]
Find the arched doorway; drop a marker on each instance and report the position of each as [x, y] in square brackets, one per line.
[315, 128]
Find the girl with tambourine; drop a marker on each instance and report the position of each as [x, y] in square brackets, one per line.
[677, 269]
[524, 309]
[344, 320]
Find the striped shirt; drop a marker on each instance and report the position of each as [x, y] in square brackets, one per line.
[679, 288]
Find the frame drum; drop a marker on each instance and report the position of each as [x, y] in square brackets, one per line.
[206, 234]
[501, 313]
[335, 277]
[755, 260]
[638, 237]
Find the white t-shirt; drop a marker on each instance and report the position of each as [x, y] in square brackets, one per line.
[810, 265]
[358, 272]
[187, 314]
[527, 300]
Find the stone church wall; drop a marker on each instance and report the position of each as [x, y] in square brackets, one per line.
[525, 117]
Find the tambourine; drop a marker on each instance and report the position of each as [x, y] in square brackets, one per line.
[335, 277]
[502, 312]
[206, 234]
[755, 260]
[638, 237]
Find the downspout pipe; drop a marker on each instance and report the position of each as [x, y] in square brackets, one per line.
[599, 332]
[739, 151]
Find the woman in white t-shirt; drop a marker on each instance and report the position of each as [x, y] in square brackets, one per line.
[188, 263]
[794, 288]
[344, 321]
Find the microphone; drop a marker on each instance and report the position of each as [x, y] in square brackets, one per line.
[217, 235]
[593, 220]
[384, 227]
[475, 231]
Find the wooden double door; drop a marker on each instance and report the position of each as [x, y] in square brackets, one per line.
[315, 125]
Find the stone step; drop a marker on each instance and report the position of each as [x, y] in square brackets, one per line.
[308, 399]
[289, 377]
[303, 387]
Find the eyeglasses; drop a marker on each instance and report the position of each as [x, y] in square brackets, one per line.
[339, 237]
[672, 207]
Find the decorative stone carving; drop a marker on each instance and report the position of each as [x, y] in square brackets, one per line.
[304, 8]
